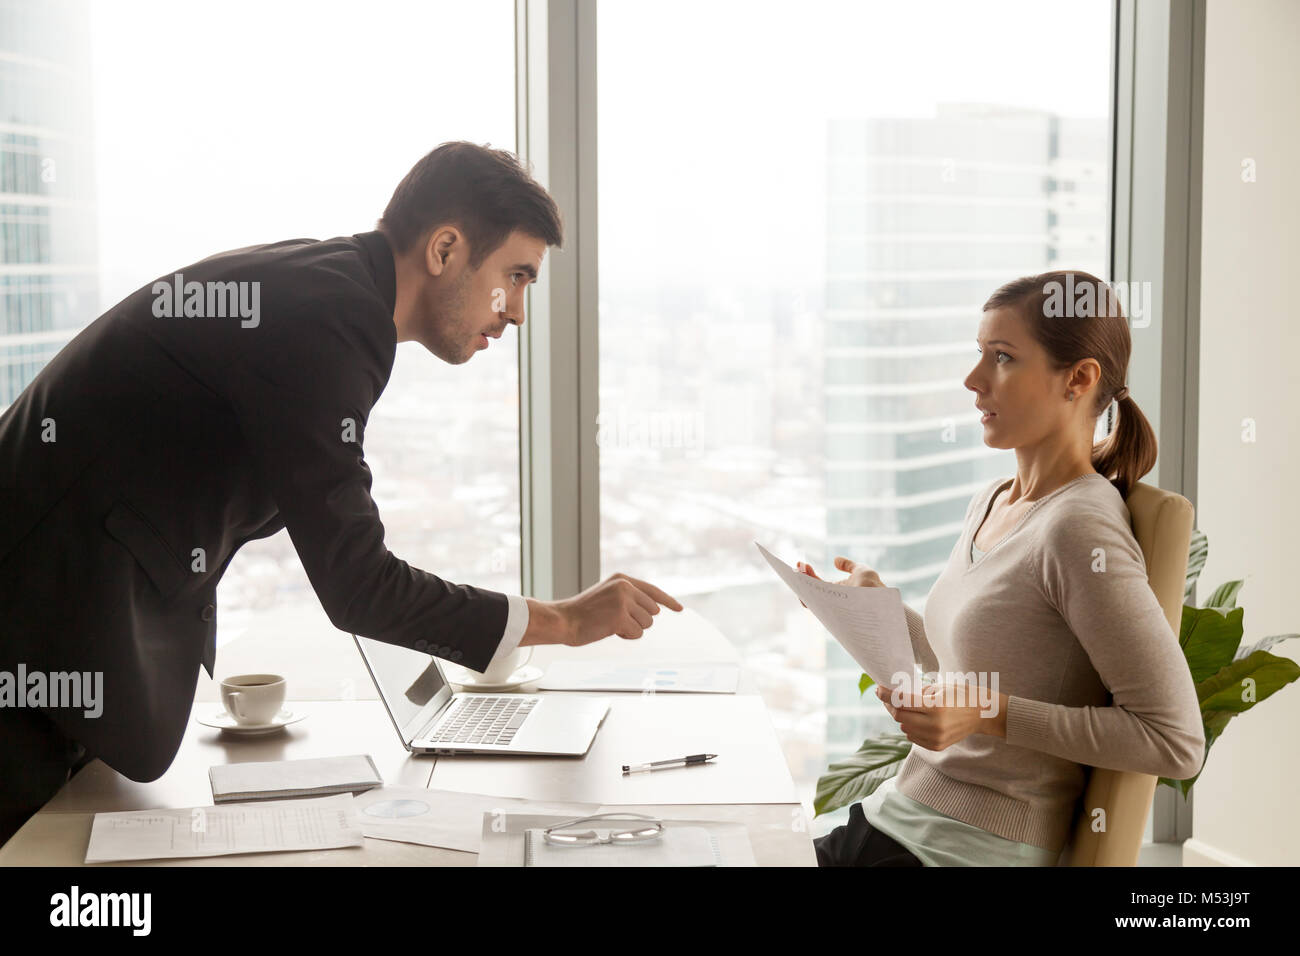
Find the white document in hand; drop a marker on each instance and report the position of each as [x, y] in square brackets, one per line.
[868, 622]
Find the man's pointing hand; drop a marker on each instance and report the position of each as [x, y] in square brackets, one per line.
[619, 605]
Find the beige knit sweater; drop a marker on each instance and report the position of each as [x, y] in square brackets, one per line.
[1061, 610]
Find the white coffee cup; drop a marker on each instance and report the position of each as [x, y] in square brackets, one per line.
[253, 698]
[500, 671]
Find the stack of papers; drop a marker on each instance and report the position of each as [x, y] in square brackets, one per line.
[274, 779]
[316, 824]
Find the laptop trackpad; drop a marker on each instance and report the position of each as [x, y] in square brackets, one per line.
[559, 725]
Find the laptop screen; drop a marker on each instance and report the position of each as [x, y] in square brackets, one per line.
[407, 680]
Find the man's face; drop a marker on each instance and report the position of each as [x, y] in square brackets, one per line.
[462, 309]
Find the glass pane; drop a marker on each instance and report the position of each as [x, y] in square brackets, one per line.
[49, 277]
[799, 222]
[143, 135]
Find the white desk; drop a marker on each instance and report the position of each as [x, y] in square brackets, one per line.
[778, 829]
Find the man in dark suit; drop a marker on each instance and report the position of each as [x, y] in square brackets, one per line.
[223, 403]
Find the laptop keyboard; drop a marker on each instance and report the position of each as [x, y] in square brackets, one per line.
[484, 720]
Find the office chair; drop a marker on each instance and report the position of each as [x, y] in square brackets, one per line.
[1162, 524]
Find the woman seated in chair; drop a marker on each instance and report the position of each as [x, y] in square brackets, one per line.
[1044, 603]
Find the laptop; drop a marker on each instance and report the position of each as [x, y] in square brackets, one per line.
[430, 719]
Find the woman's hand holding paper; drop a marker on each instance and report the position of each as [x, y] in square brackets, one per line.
[935, 720]
[859, 575]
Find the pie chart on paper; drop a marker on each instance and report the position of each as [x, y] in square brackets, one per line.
[392, 809]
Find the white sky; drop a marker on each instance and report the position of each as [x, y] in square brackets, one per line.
[225, 124]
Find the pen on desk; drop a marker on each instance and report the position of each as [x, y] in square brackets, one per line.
[665, 764]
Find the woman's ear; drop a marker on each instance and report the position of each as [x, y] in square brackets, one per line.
[1085, 377]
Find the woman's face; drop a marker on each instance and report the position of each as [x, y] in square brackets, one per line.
[1014, 382]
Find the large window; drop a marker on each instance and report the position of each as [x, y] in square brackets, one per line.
[800, 217]
[48, 261]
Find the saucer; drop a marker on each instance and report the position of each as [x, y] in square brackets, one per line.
[472, 681]
[223, 721]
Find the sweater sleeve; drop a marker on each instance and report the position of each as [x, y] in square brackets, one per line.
[1092, 571]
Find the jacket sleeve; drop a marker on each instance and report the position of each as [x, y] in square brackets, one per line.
[302, 394]
[1154, 722]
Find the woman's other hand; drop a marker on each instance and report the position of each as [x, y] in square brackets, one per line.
[935, 721]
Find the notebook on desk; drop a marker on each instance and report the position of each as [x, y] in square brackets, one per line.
[431, 719]
[278, 779]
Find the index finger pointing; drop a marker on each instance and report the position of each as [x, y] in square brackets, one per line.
[662, 597]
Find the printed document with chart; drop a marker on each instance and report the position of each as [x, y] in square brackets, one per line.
[869, 623]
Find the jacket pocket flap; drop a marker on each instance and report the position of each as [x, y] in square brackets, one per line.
[160, 563]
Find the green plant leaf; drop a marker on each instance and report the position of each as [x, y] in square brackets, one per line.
[1209, 637]
[1262, 645]
[863, 683]
[1225, 595]
[848, 781]
[1198, 550]
[1223, 691]
[1215, 722]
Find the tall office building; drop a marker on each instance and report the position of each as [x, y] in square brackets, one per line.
[49, 283]
[926, 218]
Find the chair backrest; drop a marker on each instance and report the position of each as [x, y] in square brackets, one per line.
[1162, 524]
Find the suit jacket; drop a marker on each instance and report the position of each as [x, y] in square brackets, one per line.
[179, 432]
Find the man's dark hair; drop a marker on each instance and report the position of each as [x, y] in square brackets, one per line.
[487, 193]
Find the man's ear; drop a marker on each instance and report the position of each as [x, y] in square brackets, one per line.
[443, 243]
